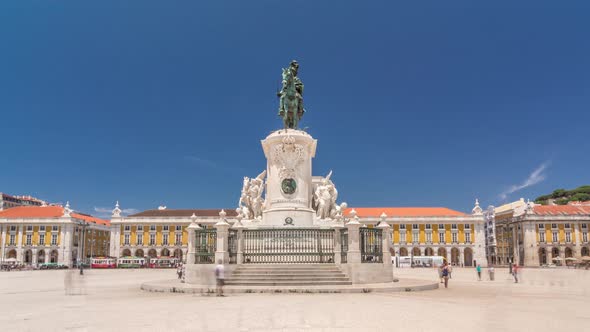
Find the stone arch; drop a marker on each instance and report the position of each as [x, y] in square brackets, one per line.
[455, 256]
[403, 251]
[428, 252]
[152, 253]
[12, 254]
[442, 252]
[468, 255]
[53, 256]
[569, 252]
[139, 253]
[165, 252]
[416, 251]
[542, 256]
[554, 252]
[178, 254]
[126, 253]
[28, 257]
[585, 251]
[41, 257]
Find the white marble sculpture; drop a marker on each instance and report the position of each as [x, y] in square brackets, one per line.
[324, 200]
[251, 201]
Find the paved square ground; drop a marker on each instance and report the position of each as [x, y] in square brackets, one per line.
[110, 300]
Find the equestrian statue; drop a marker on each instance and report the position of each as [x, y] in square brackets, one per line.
[291, 97]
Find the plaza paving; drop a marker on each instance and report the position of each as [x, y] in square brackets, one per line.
[110, 300]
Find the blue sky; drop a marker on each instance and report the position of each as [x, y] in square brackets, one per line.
[429, 103]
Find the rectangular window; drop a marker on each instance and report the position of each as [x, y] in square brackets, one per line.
[429, 237]
[441, 237]
[29, 240]
[554, 237]
[11, 240]
[585, 237]
[415, 226]
[29, 228]
[13, 228]
[140, 228]
[139, 239]
[454, 234]
[468, 237]
[54, 228]
[127, 228]
[584, 226]
[165, 239]
[402, 226]
[428, 226]
[441, 226]
[178, 240]
[42, 228]
[542, 237]
[153, 228]
[152, 239]
[178, 228]
[454, 226]
[53, 239]
[568, 237]
[567, 226]
[166, 228]
[467, 226]
[553, 226]
[541, 226]
[415, 237]
[126, 239]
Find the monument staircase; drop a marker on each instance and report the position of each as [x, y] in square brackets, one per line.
[287, 275]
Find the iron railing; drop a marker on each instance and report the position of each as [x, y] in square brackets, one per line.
[292, 245]
[344, 245]
[205, 245]
[371, 243]
[233, 246]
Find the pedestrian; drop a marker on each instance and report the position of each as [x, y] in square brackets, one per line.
[478, 269]
[179, 271]
[219, 276]
[445, 274]
[491, 272]
[515, 270]
[440, 276]
[450, 271]
[81, 269]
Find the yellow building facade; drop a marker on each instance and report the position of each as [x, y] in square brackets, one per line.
[33, 235]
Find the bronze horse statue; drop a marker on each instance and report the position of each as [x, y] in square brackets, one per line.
[291, 102]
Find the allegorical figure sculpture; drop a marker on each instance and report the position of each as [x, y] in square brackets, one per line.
[291, 97]
[325, 196]
[251, 200]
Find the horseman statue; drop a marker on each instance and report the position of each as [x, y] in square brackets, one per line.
[291, 97]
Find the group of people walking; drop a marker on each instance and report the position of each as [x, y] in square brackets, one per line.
[445, 273]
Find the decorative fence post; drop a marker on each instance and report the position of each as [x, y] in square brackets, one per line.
[386, 235]
[338, 242]
[190, 259]
[239, 227]
[354, 253]
[221, 251]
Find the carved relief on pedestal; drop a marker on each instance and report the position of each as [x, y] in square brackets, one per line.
[288, 156]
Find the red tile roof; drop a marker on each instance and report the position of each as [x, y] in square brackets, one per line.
[548, 210]
[405, 212]
[46, 212]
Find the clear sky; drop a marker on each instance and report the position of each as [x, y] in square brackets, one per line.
[413, 103]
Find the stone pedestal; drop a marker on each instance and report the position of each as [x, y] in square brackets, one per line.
[289, 154]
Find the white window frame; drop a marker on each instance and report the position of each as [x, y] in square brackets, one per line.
[429, 237]
[54, 239]
[42, 228]
[584, 237]
[428, 226]
[402, 226]
[29, 240]
[415, 236]
[415, 226]
[455, 237]
[467, 226]
[29, 228]
[139, 239]
[153, 237]
[55, 228]
[554, 237]
[179, 228]
[12, 240]
[127, 228]
[441, 237]
[178, 239]
[541, 226]
[467, 237]
[454, 226]
[542, 236]
[166, 228]
[441, 226]
[568, 237]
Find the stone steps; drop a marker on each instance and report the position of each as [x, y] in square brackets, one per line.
[287, 275]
